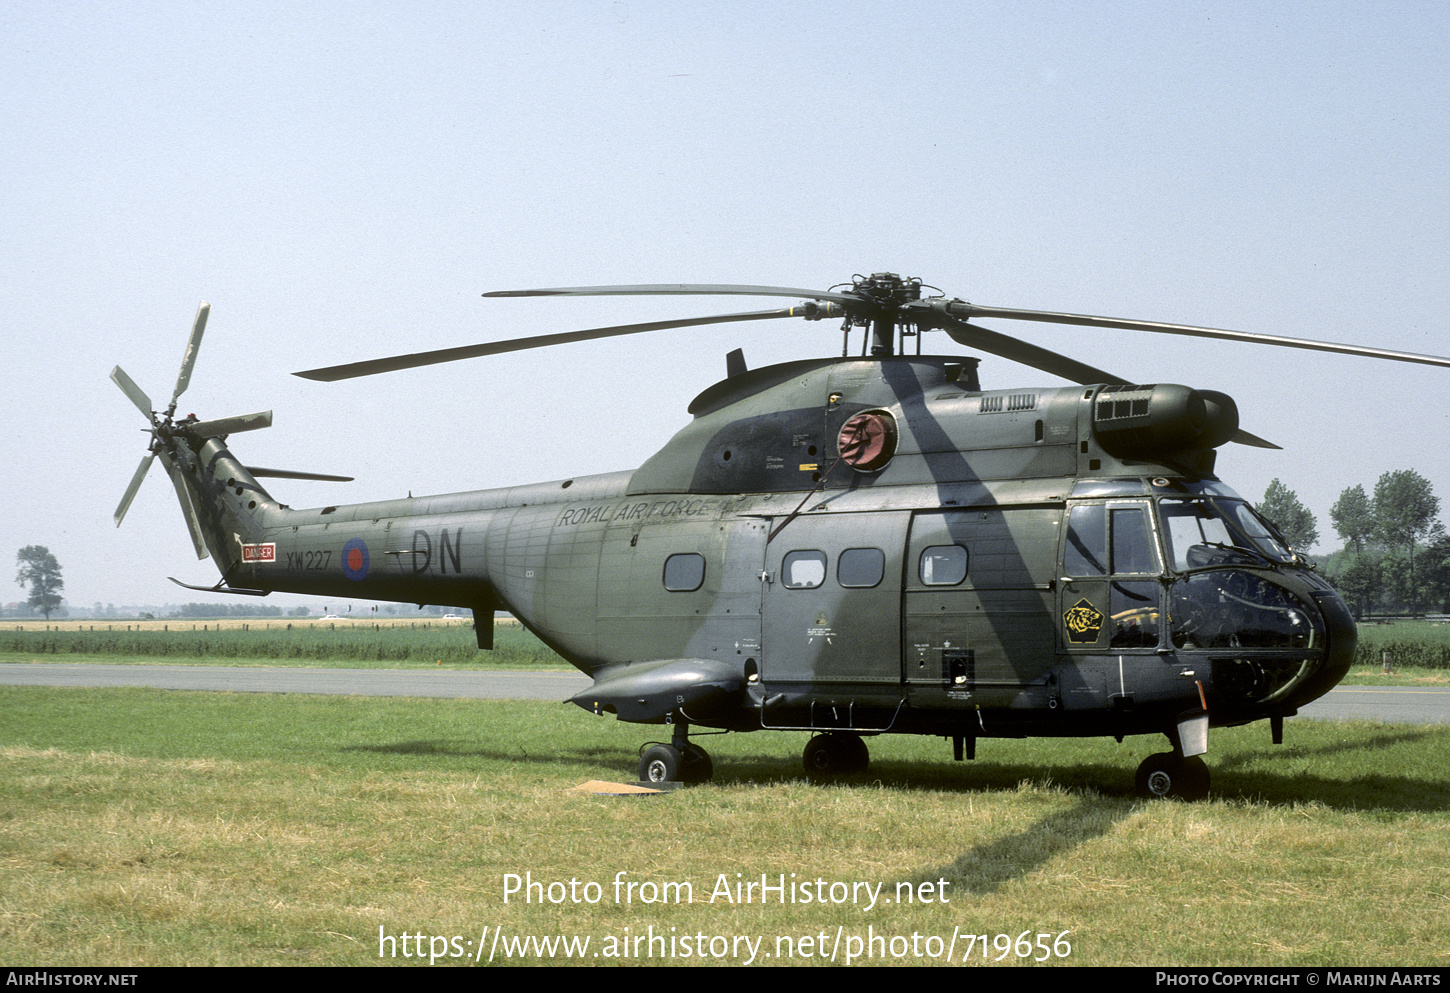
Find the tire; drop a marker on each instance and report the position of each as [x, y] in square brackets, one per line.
[660, 764]
[830, 756]
[695, 765]
[1168, 776]
[857, 755]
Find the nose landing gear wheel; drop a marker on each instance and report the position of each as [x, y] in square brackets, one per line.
[695, 765]
[668, 764]
[1169, 775]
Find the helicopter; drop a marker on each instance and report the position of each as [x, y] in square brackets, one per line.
[851, 546]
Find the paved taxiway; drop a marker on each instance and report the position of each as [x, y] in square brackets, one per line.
[1408, 704]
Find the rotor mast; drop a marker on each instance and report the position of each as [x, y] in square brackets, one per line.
[888, 293]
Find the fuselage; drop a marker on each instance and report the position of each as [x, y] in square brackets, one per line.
[873, 545]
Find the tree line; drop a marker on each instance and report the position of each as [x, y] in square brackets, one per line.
[1396, 554]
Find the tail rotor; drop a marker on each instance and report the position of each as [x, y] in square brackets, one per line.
[175, 441]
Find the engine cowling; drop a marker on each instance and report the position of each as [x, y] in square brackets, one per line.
[1162, 419]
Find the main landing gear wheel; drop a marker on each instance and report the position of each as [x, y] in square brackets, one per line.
[668, 764]
[829, 756]
[1170, 775]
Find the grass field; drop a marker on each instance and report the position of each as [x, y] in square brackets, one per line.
[142, 827]
[1420, 651]
[390, 644]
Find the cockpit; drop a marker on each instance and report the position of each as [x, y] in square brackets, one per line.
[1194, 568]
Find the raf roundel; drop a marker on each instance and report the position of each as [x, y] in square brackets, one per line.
[355, 559]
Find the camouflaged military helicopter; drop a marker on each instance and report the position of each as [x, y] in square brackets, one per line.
[849, 546]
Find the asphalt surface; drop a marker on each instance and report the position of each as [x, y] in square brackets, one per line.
[477, 685]
[1409, 704]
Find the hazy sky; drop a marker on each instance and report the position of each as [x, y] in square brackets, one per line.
[345, 180]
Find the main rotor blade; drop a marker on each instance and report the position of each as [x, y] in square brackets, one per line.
[682, 289]
[957, 308]
[135, 485]
[230, 425]
[978, 337]
[188, 508]
[371, 367]
[1242, 437]
[128, 386]
[183, 379]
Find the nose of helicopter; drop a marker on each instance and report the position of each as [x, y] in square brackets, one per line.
[1342, 637]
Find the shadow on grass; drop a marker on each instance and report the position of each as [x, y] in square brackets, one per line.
[1240, 773]
[985, 868]
[1102, 792]
[469, 749]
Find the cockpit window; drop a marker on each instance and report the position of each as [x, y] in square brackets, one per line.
[1133, 550]
[1204, 533]
[1103, 539]
[1248, 519]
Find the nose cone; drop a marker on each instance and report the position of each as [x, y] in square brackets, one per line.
[1343, 638]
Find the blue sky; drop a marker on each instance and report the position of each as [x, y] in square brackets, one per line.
[344, 181]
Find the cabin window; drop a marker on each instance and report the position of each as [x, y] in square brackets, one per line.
[859, 568]
[684, 573]
[943, 565]
[803, 570]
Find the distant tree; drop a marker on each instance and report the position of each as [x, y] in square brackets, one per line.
[1360, 585]
[1406, 510]
[1282, 506]
[1436, 565]
[1397, 585]
[41, 572]
[1353, 517]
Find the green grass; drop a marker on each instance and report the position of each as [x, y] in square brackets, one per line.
[1415, 645]
[142, 827]
[355, 645]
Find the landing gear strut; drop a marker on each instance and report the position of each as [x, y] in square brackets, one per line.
[678, 762]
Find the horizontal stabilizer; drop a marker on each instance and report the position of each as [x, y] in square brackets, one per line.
[259, 473]
[221, 587]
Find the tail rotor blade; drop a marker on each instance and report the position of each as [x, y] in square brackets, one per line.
[137, 395]
[230, 425]
[188, 508]
[125, 503]
[193, 344]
